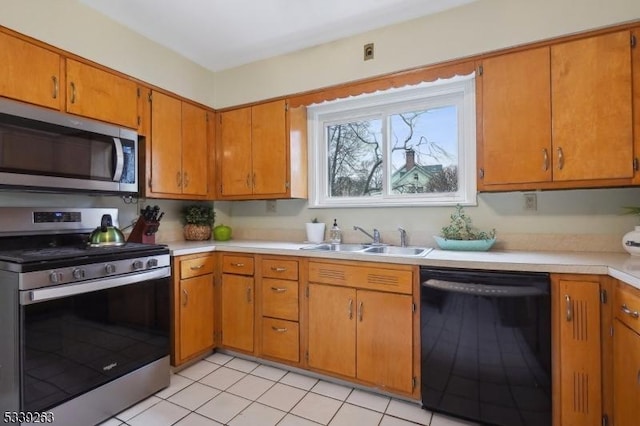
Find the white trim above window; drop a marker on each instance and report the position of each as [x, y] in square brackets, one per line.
[394, 147]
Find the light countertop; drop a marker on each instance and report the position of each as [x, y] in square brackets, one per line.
[618, 265]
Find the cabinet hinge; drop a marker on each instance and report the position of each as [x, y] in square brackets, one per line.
[635, 164]
[481, 173]
[287, 185]
[150, 97]
[633, 40]
[286, 106]
[605, 420]
[480, 70]
[413, 307]
[603, 296]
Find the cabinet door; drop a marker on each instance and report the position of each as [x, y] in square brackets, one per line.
[166, 146]
[29, 73]
[591, 103]
[516, 114]
[196, 315]
[235, 152]
[94, 93]
[195, 156]
[626, 375]
[237, 312]
[385, 340]
[269, 148]
[579, 363]
[332, 329]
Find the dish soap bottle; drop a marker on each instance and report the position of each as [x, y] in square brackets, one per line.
[335, 234]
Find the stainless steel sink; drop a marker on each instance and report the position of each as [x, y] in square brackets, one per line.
[336, 247]
[371, 249]
[398, 251]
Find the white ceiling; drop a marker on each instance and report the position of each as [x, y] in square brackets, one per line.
[221, 34]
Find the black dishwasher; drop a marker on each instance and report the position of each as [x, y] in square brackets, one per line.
[486, 345]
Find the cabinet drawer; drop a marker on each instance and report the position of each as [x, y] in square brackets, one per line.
[627, 306]
[283, 269]
[280, 339]
[280, 299]
[242, 265]
[196, 267]
[381, 279]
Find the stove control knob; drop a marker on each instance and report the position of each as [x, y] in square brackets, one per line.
[138, 264]
[152, 263]
[109, 268]
[55, 277]
[78, 273]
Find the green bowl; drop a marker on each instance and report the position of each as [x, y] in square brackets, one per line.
[464, 245]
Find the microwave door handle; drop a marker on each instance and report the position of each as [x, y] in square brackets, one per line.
[117, 173]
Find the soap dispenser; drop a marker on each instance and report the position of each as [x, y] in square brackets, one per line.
[335, 234]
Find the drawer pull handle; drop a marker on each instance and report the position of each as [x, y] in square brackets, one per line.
[350, 309]
[545, 160]
[278, 269]
[567, 299]
[279, 289]
[279, 329]
[560, 158]
[626, 310]
[248, 294]
[196, 267]
[185, 299]
[360, 311]
[237, 265]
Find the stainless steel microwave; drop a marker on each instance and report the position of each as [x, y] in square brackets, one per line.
[43, 149]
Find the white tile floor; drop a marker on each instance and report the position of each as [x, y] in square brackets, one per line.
[225, 390]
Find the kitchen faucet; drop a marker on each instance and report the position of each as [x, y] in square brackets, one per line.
[375, 237]
[403, 236]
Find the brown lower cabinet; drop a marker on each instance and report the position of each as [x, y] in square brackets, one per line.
[193, 307]
[626, 356]
[237, 299]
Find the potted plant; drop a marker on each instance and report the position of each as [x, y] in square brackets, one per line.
[315, 231]
[461, 235]
[198, 220]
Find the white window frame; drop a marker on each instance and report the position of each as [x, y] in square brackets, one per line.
[458, 90]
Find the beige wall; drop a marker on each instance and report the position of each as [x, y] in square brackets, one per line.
[573, 220]
[482, 26]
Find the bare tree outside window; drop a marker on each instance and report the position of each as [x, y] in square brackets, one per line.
[422, 149]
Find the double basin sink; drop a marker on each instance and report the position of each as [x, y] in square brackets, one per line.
[370, 249]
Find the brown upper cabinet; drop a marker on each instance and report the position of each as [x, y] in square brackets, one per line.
[262, 152]
[94, 93]
[30, 73]
[178, 150]
[558, 116]
[33, 74]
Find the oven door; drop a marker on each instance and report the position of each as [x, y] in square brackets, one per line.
[75, 338]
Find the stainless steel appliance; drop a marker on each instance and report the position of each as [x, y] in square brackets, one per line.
[48, 150]
[85, 330]
[486, 345]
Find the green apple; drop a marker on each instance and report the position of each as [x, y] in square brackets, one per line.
[222, 233]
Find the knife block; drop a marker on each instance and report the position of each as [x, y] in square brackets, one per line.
[143, 232]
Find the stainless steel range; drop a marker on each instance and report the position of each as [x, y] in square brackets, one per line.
[85, 330]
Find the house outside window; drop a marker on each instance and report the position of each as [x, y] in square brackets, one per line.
[406, 146]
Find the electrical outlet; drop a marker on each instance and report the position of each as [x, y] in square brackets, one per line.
[368, 51]
[271, 206]
[530, 202]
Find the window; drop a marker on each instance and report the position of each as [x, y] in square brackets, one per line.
[413, 145]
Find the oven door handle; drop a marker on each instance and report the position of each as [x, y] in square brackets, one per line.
[44, 294]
